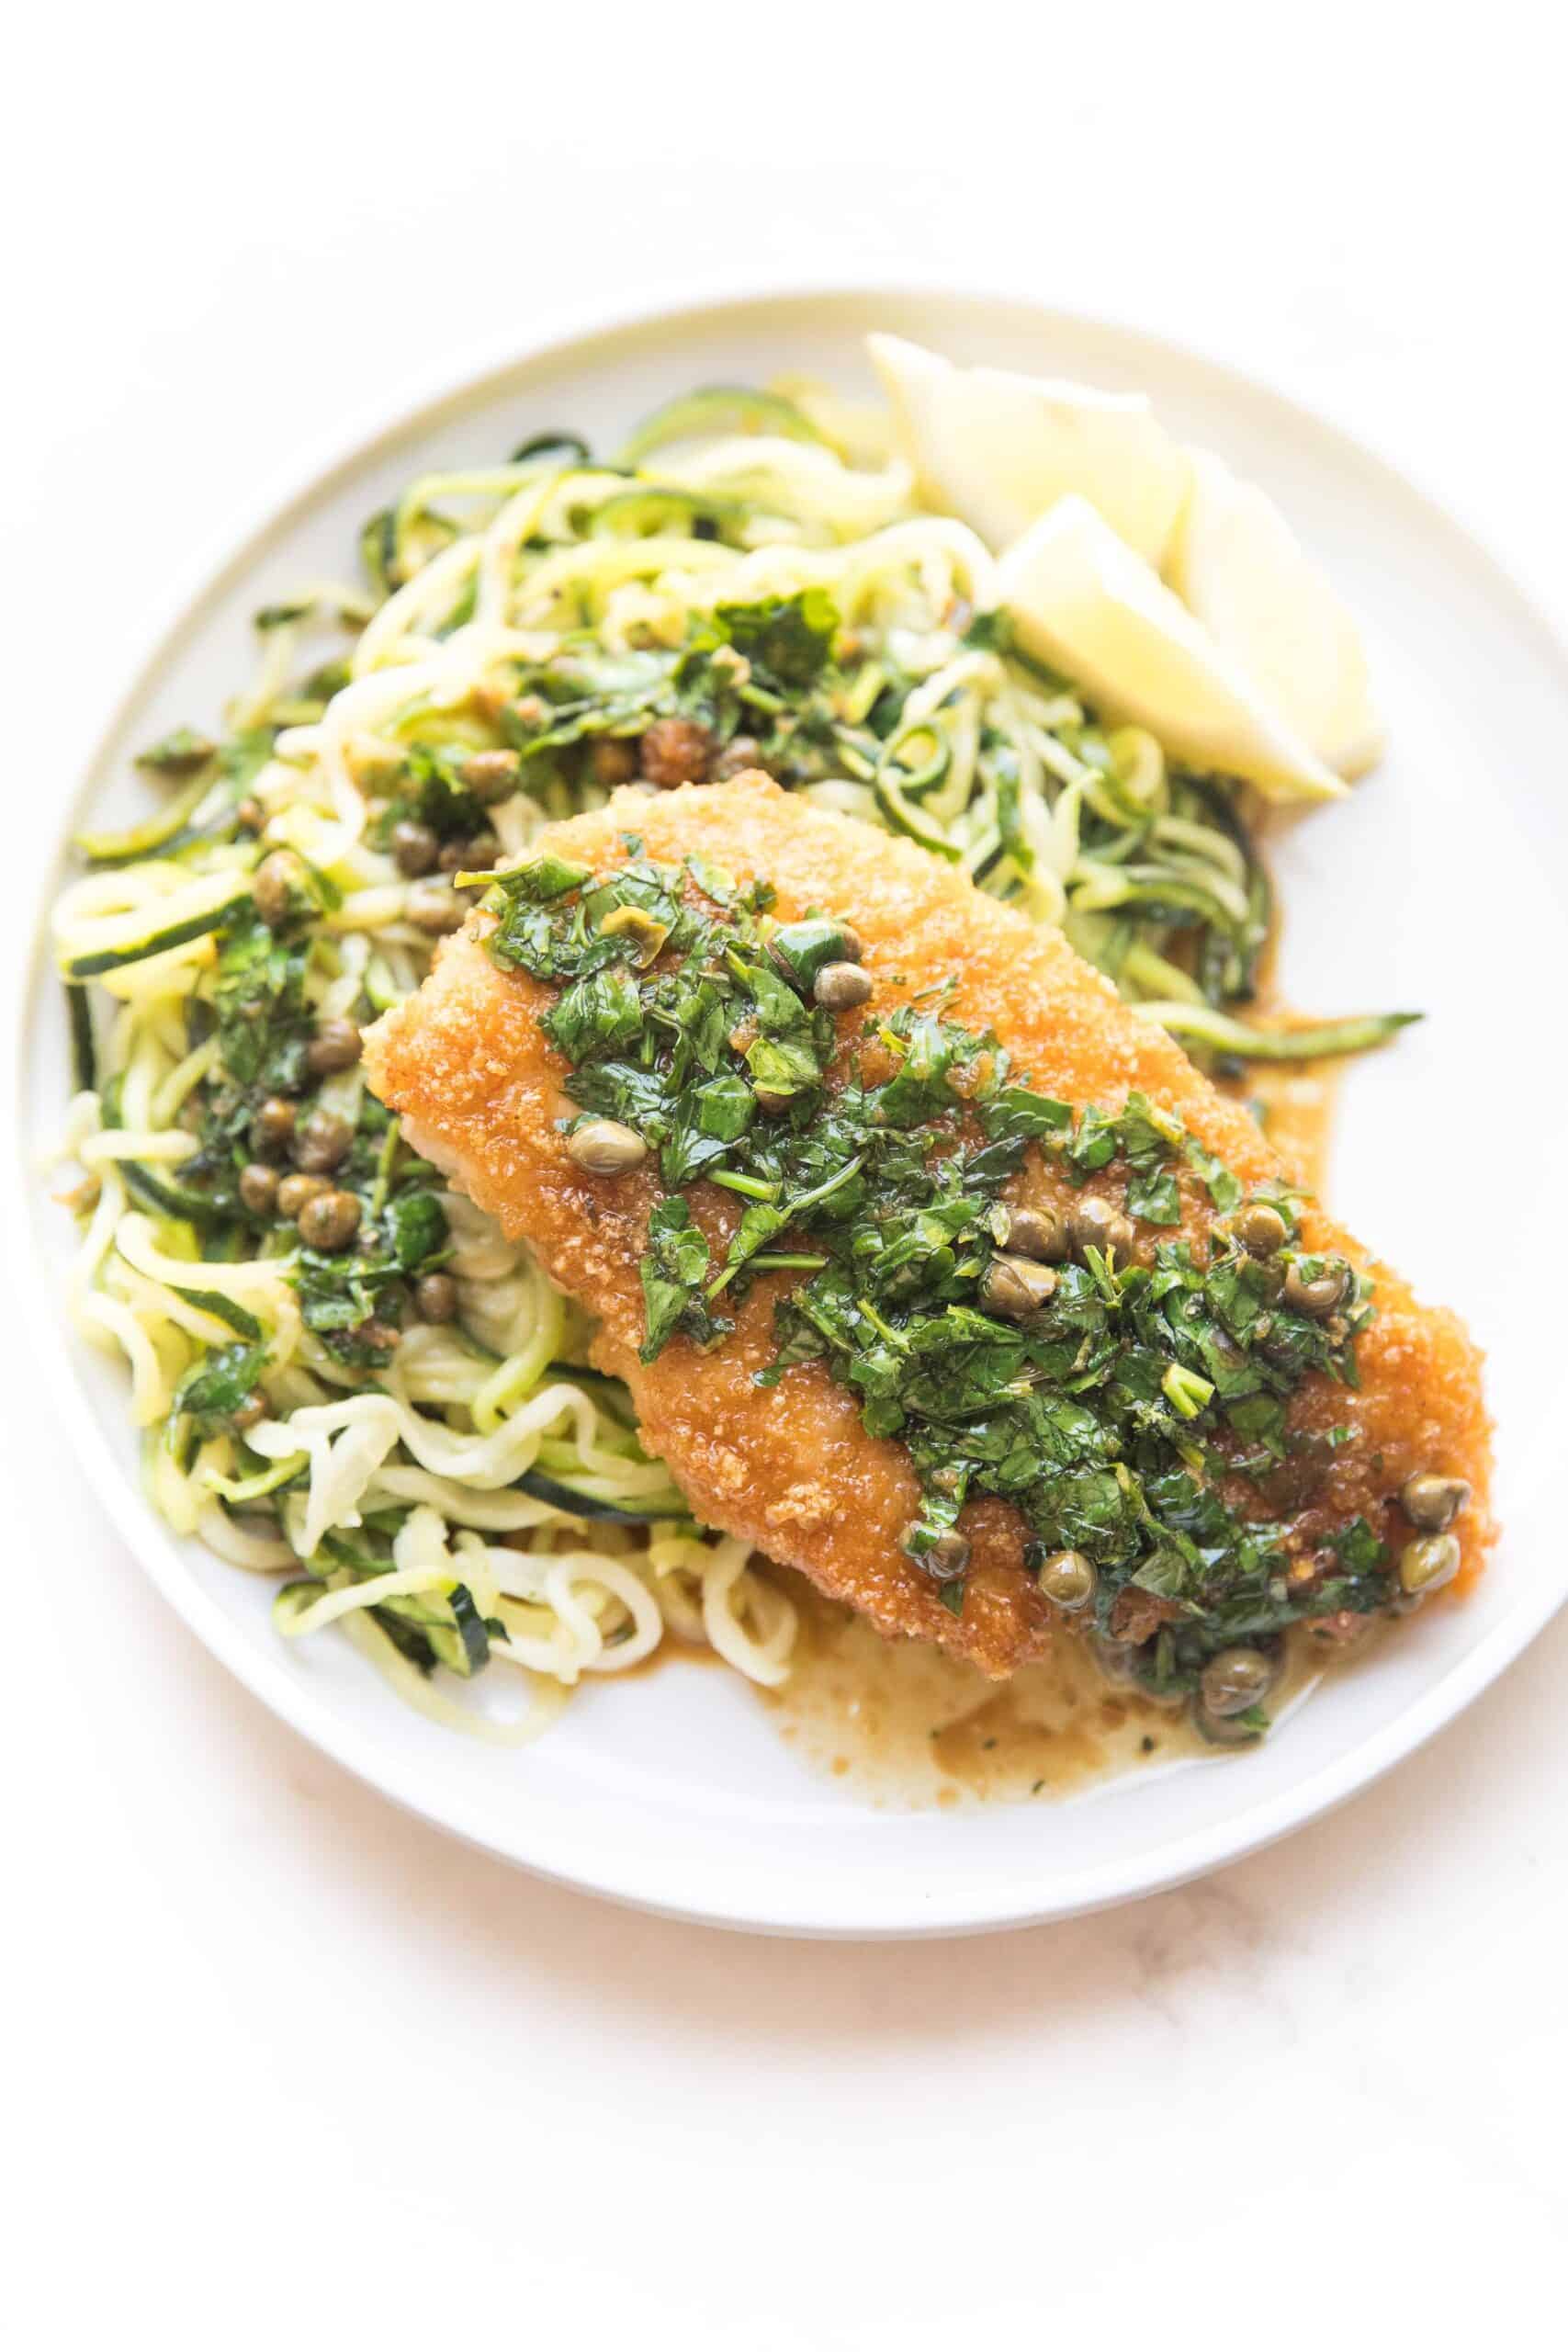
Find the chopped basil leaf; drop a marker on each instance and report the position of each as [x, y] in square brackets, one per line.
[789, 638]
[673, 1274]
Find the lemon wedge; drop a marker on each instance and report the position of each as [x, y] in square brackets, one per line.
[996, 449]
[1240, 570]
[1082, 601]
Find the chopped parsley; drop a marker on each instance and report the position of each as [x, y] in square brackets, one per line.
[1111, 1418]
[428, 789]
[769, 672]
[218, 1386]
[789, 639]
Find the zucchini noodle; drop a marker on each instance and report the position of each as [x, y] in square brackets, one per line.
[457, 1489]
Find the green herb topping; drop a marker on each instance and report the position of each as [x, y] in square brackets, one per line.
[1109, 1413]
[261, 1023]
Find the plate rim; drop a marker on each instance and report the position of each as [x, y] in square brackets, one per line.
[268, 515]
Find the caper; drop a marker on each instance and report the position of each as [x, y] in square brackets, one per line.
[322, 1142]
[772, 1100]
[375, 1333]
[1433, 1504]
[249, 817]
[432, 907]
[330, 1220]
[491, 775]
[376, 770]
[253, 1409]
[414, 847]
[1259, 1228]
[335, 1046]
[1318, 1294]
[1036, 1233]
[613, 760]
[295, 1191]
[1095, 1224]
[946, 1558]
[1431, 1560]
[1069, 1579]
[258, 1188]
[605, 1148]
[838, 988]
[272, 1129]
[275, 887]
[1016, 1287]
[436, 1298]
[675, 751]
[1236, 1680]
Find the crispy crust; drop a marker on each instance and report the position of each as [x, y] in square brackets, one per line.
[791, 1469]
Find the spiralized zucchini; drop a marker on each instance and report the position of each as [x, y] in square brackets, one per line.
[458, 1493]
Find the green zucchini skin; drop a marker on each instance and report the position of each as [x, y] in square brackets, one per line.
[208, 1213]
[459, 1642]
[172, 1200]
[428, 1629]
[156, 943]
[610, 1391]
[574, 450]
[84, 1047]
[466, 1648]
[715, 408]
[157, 833]
[903, 817]
[1200, 1027]
[549, 1491]
[212, 1302]
[650, 510]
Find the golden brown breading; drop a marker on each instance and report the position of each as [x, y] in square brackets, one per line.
[790, 1468]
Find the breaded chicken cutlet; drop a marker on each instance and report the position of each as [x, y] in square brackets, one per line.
[1061, 1346]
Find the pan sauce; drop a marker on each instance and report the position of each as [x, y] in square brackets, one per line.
[906, 1725]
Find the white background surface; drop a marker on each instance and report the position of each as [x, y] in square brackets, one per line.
[282, 2063]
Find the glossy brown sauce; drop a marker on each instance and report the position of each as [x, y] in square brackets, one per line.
[909, 1725]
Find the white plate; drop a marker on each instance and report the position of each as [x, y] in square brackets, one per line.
[1436, 885]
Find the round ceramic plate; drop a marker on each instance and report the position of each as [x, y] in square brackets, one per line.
[675, 1790]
